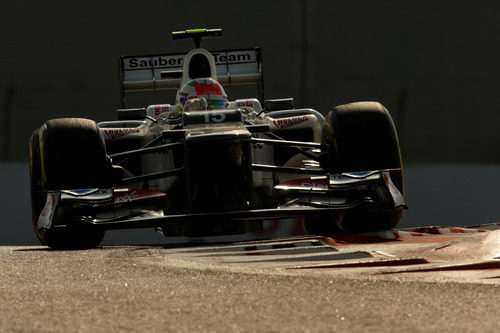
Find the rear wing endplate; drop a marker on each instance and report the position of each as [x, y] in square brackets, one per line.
[164, 71]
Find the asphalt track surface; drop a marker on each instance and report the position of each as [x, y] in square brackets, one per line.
[419, 281]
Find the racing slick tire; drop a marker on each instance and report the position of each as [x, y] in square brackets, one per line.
[361, 136]
[66, 153]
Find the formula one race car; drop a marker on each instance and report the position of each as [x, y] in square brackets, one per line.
[205, 165]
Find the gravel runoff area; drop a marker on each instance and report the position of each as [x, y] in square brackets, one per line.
[136, 289]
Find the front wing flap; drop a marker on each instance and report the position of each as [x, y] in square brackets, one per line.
[342, 193]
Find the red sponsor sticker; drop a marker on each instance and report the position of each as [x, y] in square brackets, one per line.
[245, 103]
[159, 109]
[289, 122]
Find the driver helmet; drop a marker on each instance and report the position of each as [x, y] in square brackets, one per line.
[206, 88]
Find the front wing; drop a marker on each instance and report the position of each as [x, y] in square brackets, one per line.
[341, 194]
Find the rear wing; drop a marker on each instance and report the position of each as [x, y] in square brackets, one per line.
[164, 71]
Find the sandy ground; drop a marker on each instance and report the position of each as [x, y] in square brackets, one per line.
[146, 289]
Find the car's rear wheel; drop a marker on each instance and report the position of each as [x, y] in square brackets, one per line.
[66, 153]
[361, 137]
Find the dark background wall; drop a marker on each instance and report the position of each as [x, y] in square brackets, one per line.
[434, 64]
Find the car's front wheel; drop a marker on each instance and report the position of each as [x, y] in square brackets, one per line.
[362, 137]
[66, 153]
